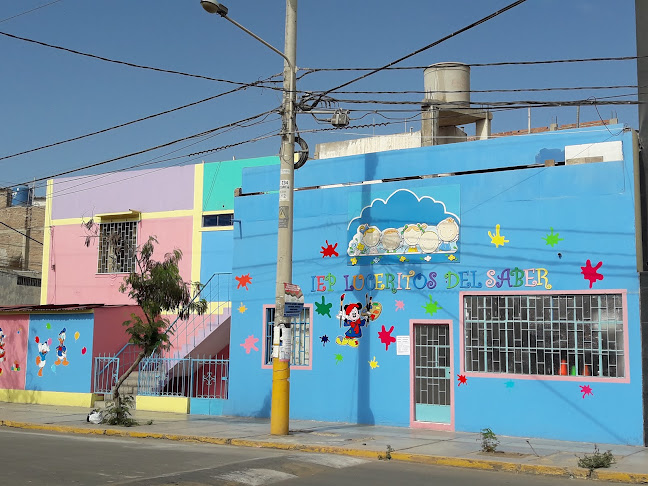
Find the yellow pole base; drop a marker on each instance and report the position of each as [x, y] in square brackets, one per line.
[279, 414]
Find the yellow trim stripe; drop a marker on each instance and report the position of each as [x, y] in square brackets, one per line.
[47, 240]
[47, 397]
[196, 236]
[162, 404]
[181, 213]
[218, 228]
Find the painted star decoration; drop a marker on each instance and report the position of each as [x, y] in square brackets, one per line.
[400, 305]
[328, 250]
[338, 358]
[497, 239]
[586, 390]
[432, 307]
[552, 239]
[373, 363]
[323, 309]
[249, 344]
[242, 308]
[243, 281]
[324, 339]
[462, 380]
[385, 337]
[590, 273]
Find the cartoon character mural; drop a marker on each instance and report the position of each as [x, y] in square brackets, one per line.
[61, 350]
[355, 317]
[43, 349]
[405, 224]
[2, 348]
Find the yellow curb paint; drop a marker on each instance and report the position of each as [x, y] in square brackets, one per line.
[162, 404]
[47, 397]
[617, 476]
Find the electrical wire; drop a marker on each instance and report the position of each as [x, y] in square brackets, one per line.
[29, 11]
[129, 64]
[20, 232]
[515, 90]
[422, 49]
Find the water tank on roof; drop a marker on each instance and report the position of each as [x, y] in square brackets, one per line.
[448, 82]
[20, 196]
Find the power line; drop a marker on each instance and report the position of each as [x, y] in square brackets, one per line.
[130, 64]
[121, 125]
[12, 228]
[418, 51]
[512, 90]
[29, 11]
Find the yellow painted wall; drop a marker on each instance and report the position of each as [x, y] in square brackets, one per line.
[47, 398]
[162, 404]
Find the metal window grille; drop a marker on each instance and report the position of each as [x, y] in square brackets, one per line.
[432, 364]
[117, 245]
[164, 377]
[28, 281]
[211, 377]
[300, 328]
[545, 334]
[211, 220]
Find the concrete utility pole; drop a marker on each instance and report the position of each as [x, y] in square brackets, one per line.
[280, 412]
[281, 339]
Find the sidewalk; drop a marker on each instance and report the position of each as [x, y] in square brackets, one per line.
[459, 449]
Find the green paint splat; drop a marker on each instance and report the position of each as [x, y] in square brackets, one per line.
[432, 307]
[338, 358]
[48, 326]
[322, 308]
[552, 239]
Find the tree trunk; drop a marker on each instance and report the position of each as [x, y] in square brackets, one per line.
[123, 377]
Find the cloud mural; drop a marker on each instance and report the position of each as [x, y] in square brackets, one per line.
[404, 224]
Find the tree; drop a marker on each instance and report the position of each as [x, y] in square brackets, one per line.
[157, 287]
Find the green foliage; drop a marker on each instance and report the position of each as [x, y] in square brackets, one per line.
[118, 413]
[489, 440]
[387, 456]
[596, 460]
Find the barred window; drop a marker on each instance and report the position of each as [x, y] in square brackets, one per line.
[300, 328]
[212, 220]
[117, 245]
[545, 334]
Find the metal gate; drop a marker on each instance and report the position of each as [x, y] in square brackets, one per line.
[432, 373]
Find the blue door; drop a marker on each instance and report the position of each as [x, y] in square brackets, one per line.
[433, 375]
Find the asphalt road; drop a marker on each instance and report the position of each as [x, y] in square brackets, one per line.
[43, 459]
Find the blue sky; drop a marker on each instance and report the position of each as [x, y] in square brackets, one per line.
[49, 95]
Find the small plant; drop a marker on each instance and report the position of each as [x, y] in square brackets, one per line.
[387, 456]
[119, 413]
[596, 460]
[489, 440]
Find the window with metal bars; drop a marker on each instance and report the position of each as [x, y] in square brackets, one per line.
[545, 334]
[301, 336]
[211, 220]
[117, 246]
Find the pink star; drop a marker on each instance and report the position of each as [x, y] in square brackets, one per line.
[400, 305]
[249, 344]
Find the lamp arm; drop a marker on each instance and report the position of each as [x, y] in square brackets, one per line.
[270, 46]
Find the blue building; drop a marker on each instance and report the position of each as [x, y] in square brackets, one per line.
[492, 283]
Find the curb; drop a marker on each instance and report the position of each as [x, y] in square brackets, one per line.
[480, 464]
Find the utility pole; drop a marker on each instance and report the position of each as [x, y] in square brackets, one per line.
[282, 341]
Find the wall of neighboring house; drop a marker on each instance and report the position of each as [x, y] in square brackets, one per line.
[19, 288]
[16, 251]
[505, 291]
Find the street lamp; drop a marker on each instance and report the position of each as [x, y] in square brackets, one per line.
[281, 340]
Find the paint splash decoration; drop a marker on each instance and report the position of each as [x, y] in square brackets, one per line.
[400, 305]
[590, 273]
[354, 261]
[586, 390]
[48, 326]
[324, 339]
[432, 307]
[242, 308]
[338, 358]
[322, 308]
[497, 239]
[243, 281]
[249, 344]
[328, 250]
[76, 336]
[386, 338]
[462, 380]
[373, 363]
[552, 239]
[509, 384]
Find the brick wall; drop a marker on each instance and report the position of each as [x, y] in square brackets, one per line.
[13, 246]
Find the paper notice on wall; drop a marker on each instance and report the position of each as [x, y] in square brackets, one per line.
[403, 345]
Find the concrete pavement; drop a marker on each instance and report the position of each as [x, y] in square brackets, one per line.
[460, 449]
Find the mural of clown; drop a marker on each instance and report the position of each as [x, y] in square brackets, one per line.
[43, 349]
[61, 350]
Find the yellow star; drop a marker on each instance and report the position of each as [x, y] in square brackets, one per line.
[242, 308]
[354, 261]
[373, 363]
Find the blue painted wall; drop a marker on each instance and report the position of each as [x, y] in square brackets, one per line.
[76, 376]
[591, 206]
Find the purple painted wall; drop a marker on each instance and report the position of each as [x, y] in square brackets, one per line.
[148, 191]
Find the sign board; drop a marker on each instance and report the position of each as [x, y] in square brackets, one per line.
[293, 300]
[402, 345]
